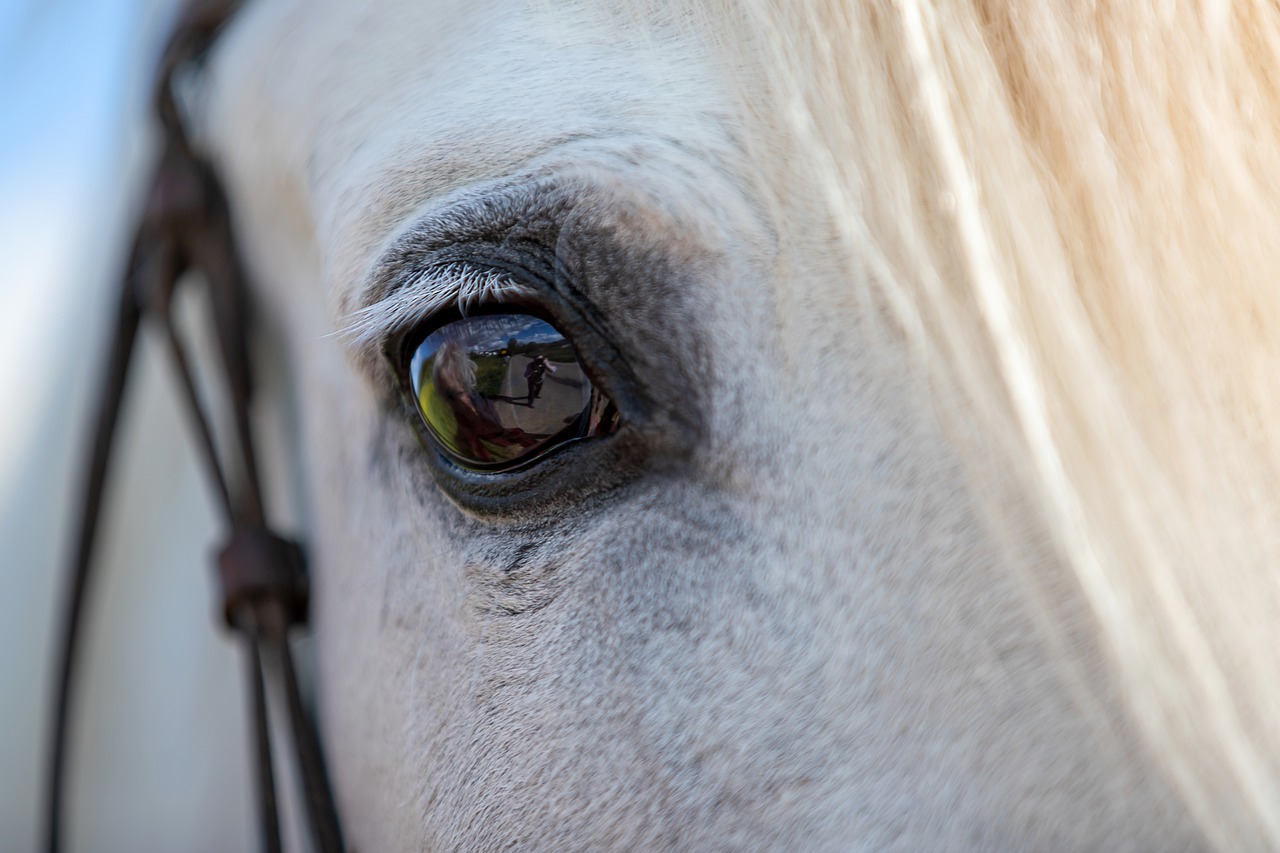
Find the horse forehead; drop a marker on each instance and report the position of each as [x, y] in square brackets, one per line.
[368, 110]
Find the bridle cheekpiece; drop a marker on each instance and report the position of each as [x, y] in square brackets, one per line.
[184, 239]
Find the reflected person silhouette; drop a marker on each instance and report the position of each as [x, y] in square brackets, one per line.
[534, 371]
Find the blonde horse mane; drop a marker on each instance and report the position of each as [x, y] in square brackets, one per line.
[1072, 212]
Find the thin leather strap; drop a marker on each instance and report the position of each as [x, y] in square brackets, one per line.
[111, 396]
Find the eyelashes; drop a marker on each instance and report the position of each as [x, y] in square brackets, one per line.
[446, 286]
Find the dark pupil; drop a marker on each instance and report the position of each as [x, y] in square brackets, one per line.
[498, 388]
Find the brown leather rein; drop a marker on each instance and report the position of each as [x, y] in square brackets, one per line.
[185, 239]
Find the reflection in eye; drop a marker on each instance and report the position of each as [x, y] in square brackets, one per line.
[499, 390]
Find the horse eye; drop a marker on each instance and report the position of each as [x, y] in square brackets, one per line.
[498, 391]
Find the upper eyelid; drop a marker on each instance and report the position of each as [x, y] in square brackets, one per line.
[420, 272]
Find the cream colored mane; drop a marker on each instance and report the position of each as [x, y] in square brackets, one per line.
[1076, 220]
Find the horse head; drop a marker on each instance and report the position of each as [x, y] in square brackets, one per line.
[838, 550]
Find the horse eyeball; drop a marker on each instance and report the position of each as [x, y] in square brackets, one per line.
[498, 391]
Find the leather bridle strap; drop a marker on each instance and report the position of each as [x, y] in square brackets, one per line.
[185, 238]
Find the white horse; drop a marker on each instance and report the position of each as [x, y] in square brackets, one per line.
[942, 508]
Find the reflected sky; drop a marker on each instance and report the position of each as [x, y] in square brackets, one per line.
[493, 332]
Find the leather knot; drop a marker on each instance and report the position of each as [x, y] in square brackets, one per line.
[259, 567]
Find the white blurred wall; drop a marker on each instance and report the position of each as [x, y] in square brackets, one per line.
[159, 755]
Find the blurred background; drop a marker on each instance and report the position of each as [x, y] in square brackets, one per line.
[158, 752]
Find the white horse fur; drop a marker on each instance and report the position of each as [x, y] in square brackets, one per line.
[956, 328]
